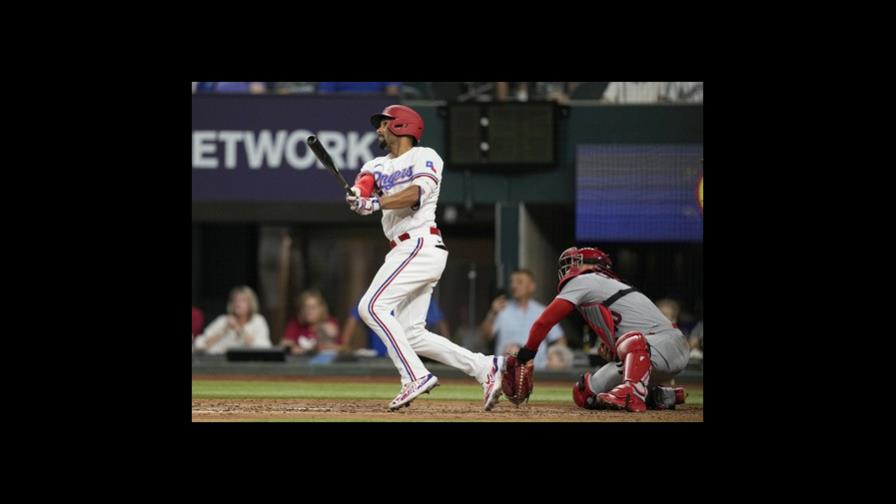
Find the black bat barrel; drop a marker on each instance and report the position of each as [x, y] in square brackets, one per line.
[325, 159]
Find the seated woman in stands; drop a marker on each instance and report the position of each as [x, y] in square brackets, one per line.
[312, 329]
[241, 327]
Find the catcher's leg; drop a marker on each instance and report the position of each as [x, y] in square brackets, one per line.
[634, 352]
[582, 394]
[585, 390]
[669, 354]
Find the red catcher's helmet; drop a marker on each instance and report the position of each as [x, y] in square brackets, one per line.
[573, 258]
[404, 121]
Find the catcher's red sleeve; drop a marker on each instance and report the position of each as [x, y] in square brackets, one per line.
[555, 312]
[365, 181]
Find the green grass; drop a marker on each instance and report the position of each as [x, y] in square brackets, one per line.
[240, 389]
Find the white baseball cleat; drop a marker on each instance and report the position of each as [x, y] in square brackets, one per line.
[411, 390]
[492, 387]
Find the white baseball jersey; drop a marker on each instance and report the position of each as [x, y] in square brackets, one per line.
[420, 166]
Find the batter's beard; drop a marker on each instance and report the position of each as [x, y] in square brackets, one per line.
[383, 144]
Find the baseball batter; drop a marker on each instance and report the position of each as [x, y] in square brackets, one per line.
[404, 185]
[646, 348]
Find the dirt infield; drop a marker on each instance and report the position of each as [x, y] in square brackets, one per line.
[236, 398]
[316, 410]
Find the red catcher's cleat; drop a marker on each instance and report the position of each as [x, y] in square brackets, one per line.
[623, 397]
[582, 394]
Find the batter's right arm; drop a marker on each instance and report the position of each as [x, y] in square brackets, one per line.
[406, 198]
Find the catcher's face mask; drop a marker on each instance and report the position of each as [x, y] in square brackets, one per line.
[569, 259]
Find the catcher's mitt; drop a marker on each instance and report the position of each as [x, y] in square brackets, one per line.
[517, 381]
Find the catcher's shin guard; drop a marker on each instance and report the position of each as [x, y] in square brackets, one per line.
[634, 351]
[582, 394]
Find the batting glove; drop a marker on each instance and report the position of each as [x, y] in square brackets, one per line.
[363, 206]
[356, 193]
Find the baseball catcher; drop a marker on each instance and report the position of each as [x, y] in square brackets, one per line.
[643, 347]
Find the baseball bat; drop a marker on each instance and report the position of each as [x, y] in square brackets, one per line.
[326, 160]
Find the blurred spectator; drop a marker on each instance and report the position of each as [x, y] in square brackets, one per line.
[685, 92]
[520, 91]
[695, 341]
[435, 322]
[670, 308]
[559, 357]
[654, 92]
[388, 88]
[635, 92]
[312, 329]
[198, 321]
[231, 87]
[553, 91]
[241, 327]
[525, 91]
[509, 323]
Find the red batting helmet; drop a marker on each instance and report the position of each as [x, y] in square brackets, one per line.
[404, 121]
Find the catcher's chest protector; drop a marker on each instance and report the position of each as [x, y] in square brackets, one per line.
[600, 320]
